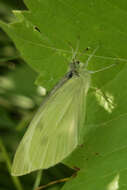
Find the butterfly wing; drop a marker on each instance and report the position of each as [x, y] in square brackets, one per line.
[54, 131]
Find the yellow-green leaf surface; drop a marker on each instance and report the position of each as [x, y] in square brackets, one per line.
[44, 35]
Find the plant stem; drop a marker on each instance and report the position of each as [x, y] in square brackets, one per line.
[38, 179]
[8, 163]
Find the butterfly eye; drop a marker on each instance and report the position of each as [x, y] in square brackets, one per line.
[70, 74]
[77, 62]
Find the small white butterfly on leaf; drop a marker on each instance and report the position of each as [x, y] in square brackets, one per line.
[56, 129]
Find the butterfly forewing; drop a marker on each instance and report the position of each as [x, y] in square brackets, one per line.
[54, 131]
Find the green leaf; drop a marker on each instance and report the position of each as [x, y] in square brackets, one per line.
[48, 51]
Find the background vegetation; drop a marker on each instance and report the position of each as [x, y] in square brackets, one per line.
[43, 37]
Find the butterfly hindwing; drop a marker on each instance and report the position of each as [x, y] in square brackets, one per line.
[54, 131]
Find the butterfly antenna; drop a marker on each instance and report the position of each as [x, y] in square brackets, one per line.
[103, 69]
[76, 50]
[90, 57]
